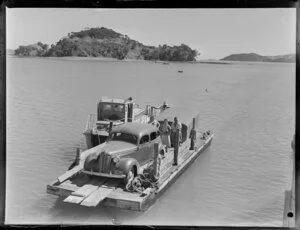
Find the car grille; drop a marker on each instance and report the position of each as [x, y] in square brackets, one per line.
[104, 162]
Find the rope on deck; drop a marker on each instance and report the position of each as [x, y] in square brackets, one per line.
[148, 179]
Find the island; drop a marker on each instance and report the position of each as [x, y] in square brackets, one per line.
[103, 42]
[253, 57]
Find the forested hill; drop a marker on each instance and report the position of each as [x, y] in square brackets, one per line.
[103, 42]
[253, 57]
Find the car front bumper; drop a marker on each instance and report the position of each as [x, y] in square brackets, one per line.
[109, 175]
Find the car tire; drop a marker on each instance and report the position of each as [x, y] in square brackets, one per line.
[132, 172]
[162, 153]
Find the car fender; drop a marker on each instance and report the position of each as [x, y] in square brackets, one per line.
[91, 162]
[92, 151]
[125, 164]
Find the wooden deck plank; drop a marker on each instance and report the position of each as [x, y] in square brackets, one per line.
[167, 174]
[100, 194]
[185, 156]
[96, 197]
[185, 153]
[80, 194]
[70, 173]
[170, 155]
[90, 187]
[85, 190]
[73, 199]
[166, 167]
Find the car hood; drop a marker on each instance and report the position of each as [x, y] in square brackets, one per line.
[118, 148]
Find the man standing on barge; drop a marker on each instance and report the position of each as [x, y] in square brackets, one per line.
[165, 131]
[176, 125]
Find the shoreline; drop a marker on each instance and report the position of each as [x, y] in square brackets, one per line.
[107, 59]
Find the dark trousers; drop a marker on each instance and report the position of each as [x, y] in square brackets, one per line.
[175, 156]
[172, 138]
[173, 135]
[173, 142]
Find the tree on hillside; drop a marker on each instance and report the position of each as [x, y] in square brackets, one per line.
[108, 43]
[22, 50]
[43, 46]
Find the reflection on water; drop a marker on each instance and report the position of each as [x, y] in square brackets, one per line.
[239, 180]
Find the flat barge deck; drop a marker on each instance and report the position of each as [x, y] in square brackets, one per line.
[85, 190]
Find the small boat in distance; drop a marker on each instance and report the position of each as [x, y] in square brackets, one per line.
[180, 71]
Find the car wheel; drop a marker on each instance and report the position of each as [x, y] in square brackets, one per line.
[130, 175]
[162, 153]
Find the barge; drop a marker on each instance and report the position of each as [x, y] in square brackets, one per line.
[118, 174]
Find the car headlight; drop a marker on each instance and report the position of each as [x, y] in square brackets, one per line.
[116, 160]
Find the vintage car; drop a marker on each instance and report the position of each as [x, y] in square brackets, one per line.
[128, 147]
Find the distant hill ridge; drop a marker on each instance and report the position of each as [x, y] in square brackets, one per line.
[253, 57]
[103, 42]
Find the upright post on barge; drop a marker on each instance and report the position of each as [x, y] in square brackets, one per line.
[155, 160]
[193, 135]
[110, 126]
[176, 146]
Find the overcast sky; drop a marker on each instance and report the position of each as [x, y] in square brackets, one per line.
[215, 33]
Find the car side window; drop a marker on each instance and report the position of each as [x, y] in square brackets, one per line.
[153, 136]
[144, 139]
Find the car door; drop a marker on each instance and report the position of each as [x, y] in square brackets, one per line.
[144, 149]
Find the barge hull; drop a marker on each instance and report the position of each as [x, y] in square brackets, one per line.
[133, 201]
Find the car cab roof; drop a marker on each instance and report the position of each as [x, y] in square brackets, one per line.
[115, 100]
[137, 129]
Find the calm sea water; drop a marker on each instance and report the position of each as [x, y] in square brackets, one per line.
[239, 180]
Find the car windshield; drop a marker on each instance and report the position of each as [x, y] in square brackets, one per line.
[124, 137]
[111, 111]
